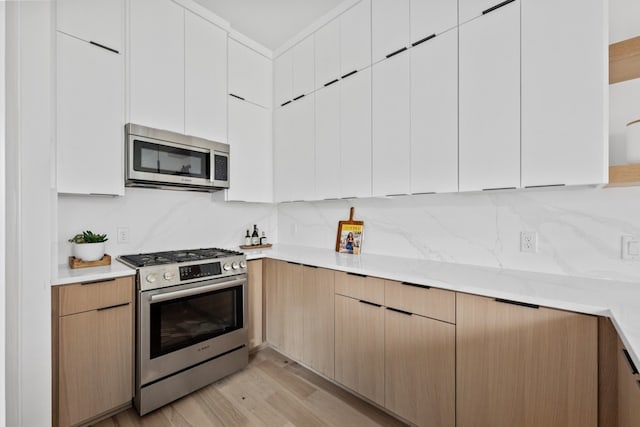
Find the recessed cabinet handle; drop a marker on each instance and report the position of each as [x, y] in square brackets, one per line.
[104, 47]
[356, 274]
[414, 44]
[298, 97]
[498, 6]
[112, 306]
[309, 266]
[95, 282]
[349, 74]
[237, 96]
[632, 365]
[544, 186]
[406, 313]
[415, 285]
[370, 303]
[498, 188]
[331, 82]
[396, 52]
[294, 263]
[521, 304]
[288, 102]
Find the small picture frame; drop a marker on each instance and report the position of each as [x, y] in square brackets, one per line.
[349, 238]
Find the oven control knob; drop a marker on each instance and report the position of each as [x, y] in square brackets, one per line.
[151, 278]
[226, 266]
[243, 264]
[168, 275]
[235, 266]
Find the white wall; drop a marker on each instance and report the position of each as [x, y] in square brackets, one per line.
[2, 211]
[161, 220]
[29, 209]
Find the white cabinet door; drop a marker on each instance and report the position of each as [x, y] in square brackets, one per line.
[205, 83]
[355, 37]
[564, 87]
[469, 9]
[434, 115]
[156, 58]
[327, 53]
[390, 30]
[391, 126]
[303, 67]
[294, 141]
[95, 21]
[355, 135]
[328, 142]
[90, 118]
[490, 100]
[249, 74]
[283, 78]
[432, 17]
[251, 158]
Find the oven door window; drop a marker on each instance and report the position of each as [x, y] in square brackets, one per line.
[169, 160]
[183, 322]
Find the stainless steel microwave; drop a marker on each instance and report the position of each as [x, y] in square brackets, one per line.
[162, 159]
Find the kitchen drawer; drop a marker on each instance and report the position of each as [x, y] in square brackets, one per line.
[81, 297]
[364, 288]
[422, 300]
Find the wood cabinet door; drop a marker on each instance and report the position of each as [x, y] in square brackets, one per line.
[254, 297]
[290, 283]
[318, 319]
[95, 363]
[628, 391]
[420, 369]
[489, 148]
[359, 357]
[524, 366]
[274, 301]
[205, 85]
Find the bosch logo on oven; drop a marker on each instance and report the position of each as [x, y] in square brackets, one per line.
[204, 348]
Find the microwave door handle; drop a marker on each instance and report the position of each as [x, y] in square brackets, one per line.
[194, 291]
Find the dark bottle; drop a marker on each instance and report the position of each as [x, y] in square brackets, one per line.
[255, 237]
[247, 239]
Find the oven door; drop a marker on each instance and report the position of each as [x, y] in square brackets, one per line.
[182, 326]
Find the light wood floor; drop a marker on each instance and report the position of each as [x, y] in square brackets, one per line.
[272, 391]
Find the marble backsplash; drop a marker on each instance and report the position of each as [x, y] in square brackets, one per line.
[579, 229]
[161, 220]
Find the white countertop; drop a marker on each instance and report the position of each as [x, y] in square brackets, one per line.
[67, 275]
[620, 301]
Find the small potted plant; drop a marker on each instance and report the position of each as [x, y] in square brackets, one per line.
[88, 246]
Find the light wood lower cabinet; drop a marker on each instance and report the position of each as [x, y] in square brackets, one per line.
[318, 319]
[628, 390]
[254, 295]
[92, 349]
[524, 366]
[360, 347]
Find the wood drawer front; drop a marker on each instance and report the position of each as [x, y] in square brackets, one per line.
[429, 302]
[364, 288]
[78, 298]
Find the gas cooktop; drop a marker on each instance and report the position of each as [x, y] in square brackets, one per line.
[176, 257]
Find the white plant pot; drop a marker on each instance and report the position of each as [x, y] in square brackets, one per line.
[88, 251]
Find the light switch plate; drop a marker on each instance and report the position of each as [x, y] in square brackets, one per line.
[630, 247]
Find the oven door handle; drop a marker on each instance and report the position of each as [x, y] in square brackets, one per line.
[194, 291]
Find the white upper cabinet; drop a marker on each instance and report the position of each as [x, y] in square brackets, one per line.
[432, 17]
[434, 115]
[390, 30]
[490, 100]
[303, 78]
[249, 74]
[355, 38]
[96, 21]
[156, 58]
[327, 128]
[251, 152]
[283, 78]
[205, 79]
[564, 87]
[355, 135]
[327, 60]
[469, 9]
[391, 126]
[90, 118]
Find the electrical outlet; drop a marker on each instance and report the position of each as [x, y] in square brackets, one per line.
[528, 241]
[630, 247]
[123, 234]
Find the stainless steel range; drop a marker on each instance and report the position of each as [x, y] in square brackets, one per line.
[190, 321]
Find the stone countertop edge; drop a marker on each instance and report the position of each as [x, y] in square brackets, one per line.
[67, 275]
[617, 300]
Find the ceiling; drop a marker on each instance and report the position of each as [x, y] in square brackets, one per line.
[270, 22]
